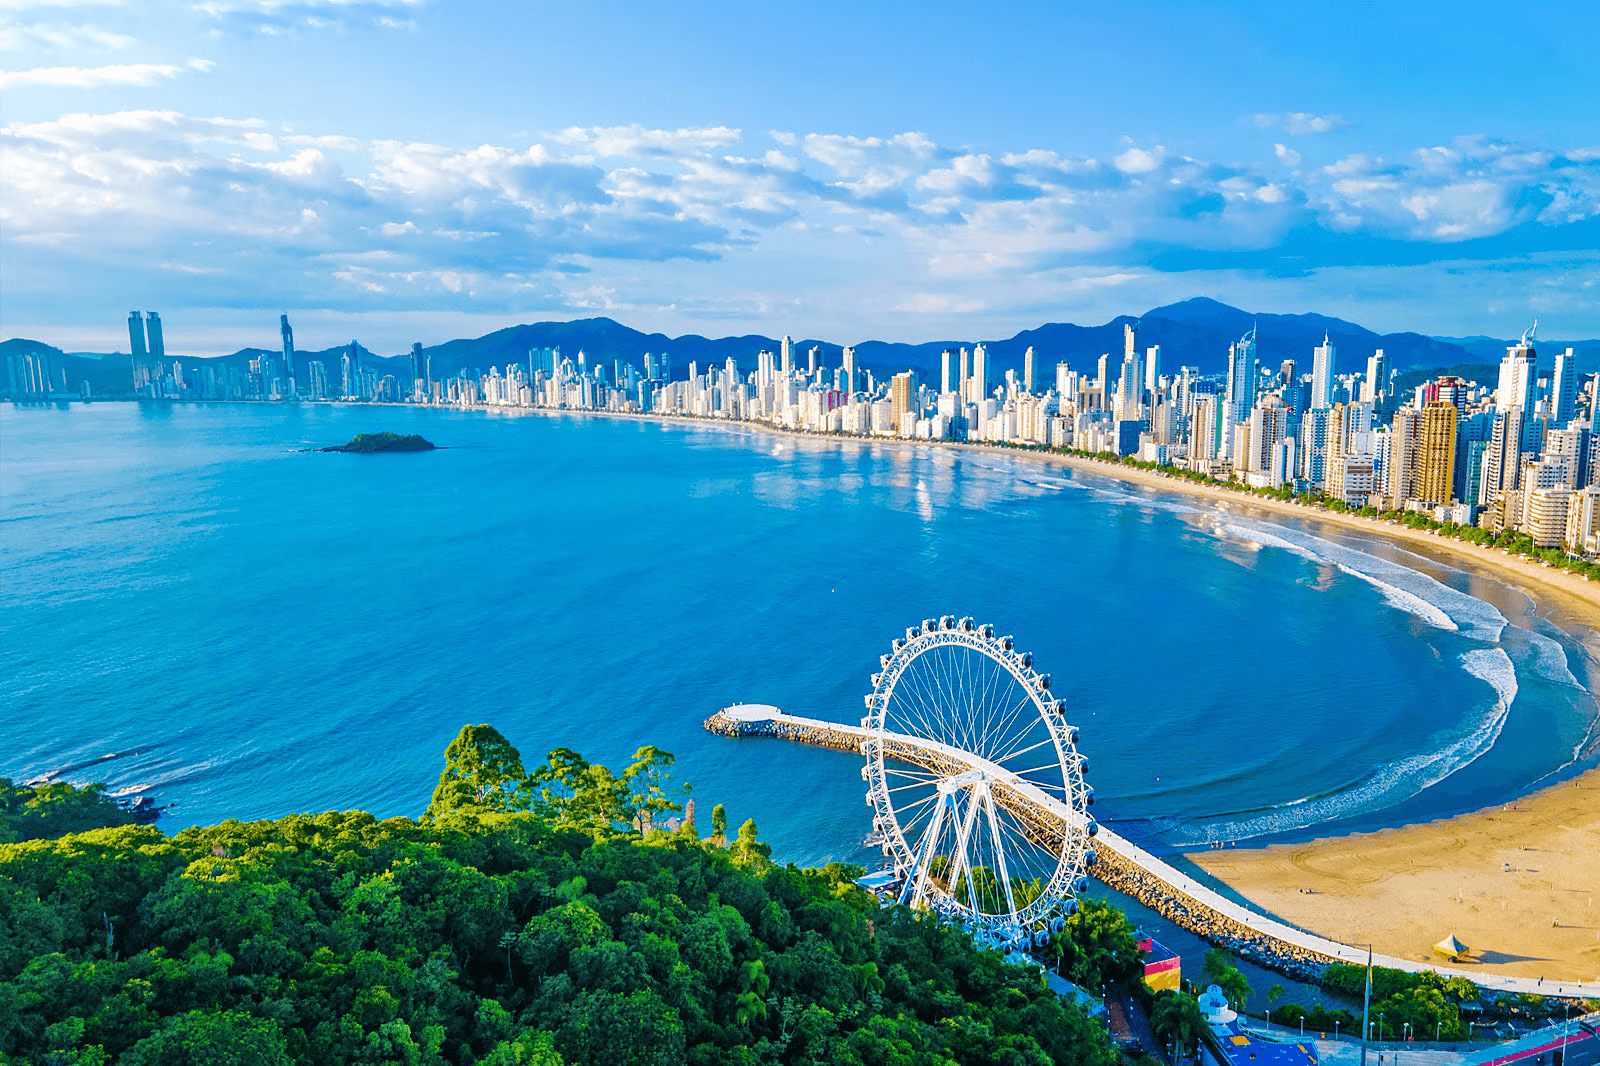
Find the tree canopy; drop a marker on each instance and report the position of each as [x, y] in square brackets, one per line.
[37, 812]
[565, 932]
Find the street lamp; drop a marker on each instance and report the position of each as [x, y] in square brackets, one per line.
[1336, 1029]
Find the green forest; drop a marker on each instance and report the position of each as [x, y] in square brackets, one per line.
[570, 914]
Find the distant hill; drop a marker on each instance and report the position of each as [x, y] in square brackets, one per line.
[107, 375]
[1195, 332]
[1492, 348]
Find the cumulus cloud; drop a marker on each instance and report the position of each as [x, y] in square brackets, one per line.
[244, 210]
[1300, 123]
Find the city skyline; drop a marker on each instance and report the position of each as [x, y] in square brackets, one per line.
[709, 174]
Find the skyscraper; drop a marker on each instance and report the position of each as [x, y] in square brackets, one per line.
[1027, 370]
[1376, 388]
[288, 353]
[1436, 452]
[349, 367]
[902, 392]
[1564, 388]
[158, 344]
[1322, 374]
[140, 356]
[980, 373]
[1240, 394]
[1519, 373]
[787, 355]
[1152, 369]
[947, 371]
[849, 370]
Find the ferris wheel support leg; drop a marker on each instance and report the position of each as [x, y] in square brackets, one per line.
[919, 883]
[963, 859]
[999, 848]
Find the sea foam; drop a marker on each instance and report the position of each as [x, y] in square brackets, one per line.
[1392, 782]
[1401, 587]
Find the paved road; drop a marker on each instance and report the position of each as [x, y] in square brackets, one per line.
[1188, 886]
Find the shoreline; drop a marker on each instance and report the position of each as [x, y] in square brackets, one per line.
[1528, 912]
[1515, 881]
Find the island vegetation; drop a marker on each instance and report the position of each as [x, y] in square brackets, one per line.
[371, 443]
[38, 812]
[570, 914]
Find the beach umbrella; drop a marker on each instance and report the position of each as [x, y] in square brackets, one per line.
[1451, 946]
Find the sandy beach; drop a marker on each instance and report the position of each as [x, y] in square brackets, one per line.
[1518, 884]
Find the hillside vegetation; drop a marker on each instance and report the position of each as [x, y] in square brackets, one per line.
[527, 918]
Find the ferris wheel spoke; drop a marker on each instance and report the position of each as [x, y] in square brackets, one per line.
[1016, 726]
[1002, 758]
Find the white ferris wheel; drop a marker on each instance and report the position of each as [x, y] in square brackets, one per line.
[976, 782]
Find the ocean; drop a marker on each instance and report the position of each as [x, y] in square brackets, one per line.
[197, 608]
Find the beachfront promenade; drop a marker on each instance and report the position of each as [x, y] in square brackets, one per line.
[1125, 866]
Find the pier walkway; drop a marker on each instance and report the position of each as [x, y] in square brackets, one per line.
[1125, 866]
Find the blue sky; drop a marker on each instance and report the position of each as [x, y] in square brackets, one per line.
[421, 169]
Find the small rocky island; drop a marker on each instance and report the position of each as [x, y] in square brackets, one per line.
[368, 443]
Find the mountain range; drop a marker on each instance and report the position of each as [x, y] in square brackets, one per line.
[1195, 332]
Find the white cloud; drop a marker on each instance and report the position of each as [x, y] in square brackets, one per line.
[88, 77]
[55, 35]
[1139, 160]
[636, 140]
[259, 212]
[1300, 123]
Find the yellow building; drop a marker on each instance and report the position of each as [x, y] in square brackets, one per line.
[1436, 452]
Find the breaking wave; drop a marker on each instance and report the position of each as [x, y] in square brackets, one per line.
[1392, 782]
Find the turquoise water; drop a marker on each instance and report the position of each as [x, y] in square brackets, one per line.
[252, 629]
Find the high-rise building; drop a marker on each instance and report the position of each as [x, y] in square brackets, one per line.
[787, 355]
[947, 371]
[1129, 389]
[1375, 390]
[1027, 371]
[1564, 388]
[1502, 459]
[1322, 374]
[1269, 424]
[1519, 373]
[1436, 452]
[1240, 394]
[1205, 441]
[902, 396]
[157, 343]
[1569, 448]
[980, 374]
[1316, 431]
[349, 371]
[1066, 387]
[139, 354]
[287, 334]
[849, 371]
[1152, 369]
